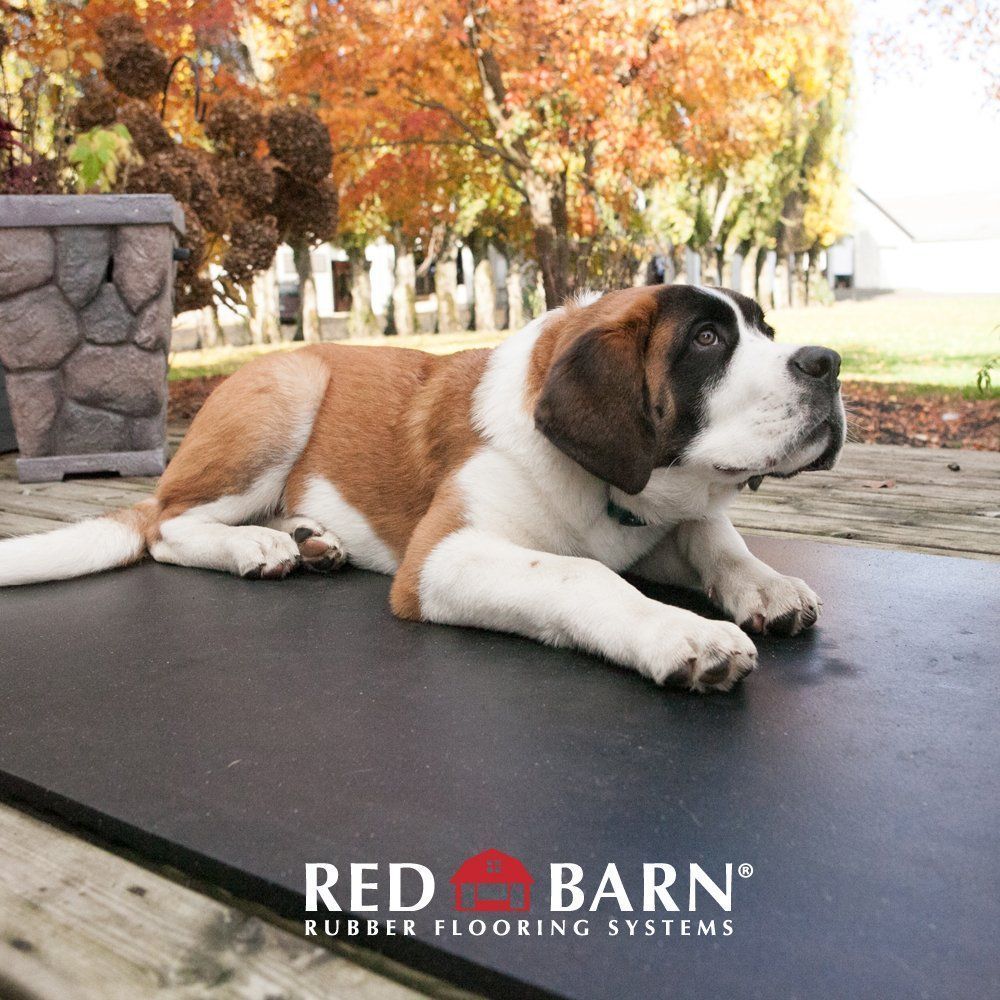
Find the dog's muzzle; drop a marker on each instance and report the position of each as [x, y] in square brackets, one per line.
[817, 372]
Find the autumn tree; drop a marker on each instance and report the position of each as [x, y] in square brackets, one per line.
[775, 179]
[401, 193]
[584, 135]
[427, 199]
[577, 107]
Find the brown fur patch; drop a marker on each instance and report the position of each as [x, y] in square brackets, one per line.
[142, 518]
[628, 308]
[445, 516]
[394, 424]
[589, 385]
[386, 426]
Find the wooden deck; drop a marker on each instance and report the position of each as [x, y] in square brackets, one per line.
[80, 923]
[929, 507]
[942, 501]
[73, 915]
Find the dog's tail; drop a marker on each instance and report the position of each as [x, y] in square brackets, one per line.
[116, 539]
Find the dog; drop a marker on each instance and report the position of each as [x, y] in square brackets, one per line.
[507, 489]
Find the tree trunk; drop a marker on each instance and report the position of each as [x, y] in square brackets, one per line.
[679, 261]
[709, 258]
[672, 272]
[515, 294]
[818, 290]
[485, 296]
[781, 293]
[765, 280]
[404, 292]
[361, 321]
[726, 277]
[263, 301]
[749, 271]
[307, 321]
[533, 294]
[208, 327]
[272, 326]
[256, 309]
[446, 289]
[797, 291]
[550, 223]
[704, 274]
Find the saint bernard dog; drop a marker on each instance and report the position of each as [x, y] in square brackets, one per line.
[507, 489]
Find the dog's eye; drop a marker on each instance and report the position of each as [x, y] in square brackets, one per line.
[706, 337]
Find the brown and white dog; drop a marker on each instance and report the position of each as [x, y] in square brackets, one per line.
[508, 488]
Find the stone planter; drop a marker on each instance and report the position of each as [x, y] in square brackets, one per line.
[86, 303]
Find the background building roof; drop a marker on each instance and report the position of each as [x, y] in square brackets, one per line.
[937, 218]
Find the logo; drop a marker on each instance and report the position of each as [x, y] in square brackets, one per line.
[492, 881]
[491, 892]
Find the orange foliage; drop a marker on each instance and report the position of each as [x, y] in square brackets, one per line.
[576, 107]
[536, 116]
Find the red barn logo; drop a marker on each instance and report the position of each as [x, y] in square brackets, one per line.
[492, 881]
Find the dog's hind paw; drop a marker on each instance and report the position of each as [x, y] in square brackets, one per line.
[321, 550]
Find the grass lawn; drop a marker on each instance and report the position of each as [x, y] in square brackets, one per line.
[937, 342]
[927, 343]
[225, 360]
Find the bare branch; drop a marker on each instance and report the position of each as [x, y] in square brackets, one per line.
[494, 91]
[699, 9]
[399, 143]
[490, 149]
[689, 13]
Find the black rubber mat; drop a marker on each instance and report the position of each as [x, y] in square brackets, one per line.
[239, 729]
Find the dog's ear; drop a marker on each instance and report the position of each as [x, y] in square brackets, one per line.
[594, 404]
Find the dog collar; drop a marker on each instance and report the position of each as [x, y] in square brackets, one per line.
[623, 516]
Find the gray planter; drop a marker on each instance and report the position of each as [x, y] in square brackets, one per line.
[86, 303]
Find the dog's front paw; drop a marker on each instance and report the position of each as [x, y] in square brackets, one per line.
[765, 602]
[264, 554]
[698, 654]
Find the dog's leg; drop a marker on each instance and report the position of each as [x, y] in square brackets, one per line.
[228, 478]
[474, 578]
[667, 564]
[246, 550]
[748, 590]
[320, 549]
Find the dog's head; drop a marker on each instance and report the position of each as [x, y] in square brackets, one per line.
[677, 375]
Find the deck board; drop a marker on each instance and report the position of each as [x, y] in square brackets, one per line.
[79, 921]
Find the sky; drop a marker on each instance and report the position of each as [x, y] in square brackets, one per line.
[924, 131]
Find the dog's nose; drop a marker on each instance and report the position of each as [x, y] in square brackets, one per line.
[816, 362]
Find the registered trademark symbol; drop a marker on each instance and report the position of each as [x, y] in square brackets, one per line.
[745, 870]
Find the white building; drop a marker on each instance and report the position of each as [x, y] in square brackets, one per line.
[934, 243]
